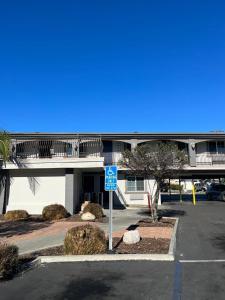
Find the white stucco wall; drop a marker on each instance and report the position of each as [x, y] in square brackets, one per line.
[135, 198]
[49, 188]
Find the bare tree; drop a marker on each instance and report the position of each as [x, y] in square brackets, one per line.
[159, 161]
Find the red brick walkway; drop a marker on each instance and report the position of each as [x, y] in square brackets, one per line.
[61, 227]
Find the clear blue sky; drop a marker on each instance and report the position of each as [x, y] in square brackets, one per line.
[112, 65]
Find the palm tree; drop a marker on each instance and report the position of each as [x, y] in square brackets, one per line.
[4, 146]
[4, 176]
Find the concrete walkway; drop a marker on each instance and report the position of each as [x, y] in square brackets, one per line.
[121, 220]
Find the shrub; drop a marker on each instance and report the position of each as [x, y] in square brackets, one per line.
[95, 209]
[85, 239]
[54, 212]
[13, 215]
[176, 187]
[9, 260]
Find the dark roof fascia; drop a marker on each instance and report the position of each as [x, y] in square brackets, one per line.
[121, 136]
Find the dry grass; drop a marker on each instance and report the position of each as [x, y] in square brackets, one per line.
[54, 212]
[85, 239]
[95, 209]
[15, 215]
[9, 262]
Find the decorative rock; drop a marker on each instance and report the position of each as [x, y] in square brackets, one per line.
[84, 205]
[131, 237]
[87, 217]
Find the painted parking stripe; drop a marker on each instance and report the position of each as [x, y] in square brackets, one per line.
[201, 260]
[177, 286]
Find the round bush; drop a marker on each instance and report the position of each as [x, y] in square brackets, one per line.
[54, 212]
[95, 209]
[14, 215]
[9, 260]
[85, 239]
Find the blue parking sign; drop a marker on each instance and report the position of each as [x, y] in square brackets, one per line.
[110, 178]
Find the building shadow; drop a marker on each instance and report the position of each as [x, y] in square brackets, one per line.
[16, 228]
[163, 213]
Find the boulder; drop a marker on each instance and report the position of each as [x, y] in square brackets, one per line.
[87, 216]
[131, 237]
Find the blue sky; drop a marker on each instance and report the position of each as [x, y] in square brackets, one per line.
[115, 65]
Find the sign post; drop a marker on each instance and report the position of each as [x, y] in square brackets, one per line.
[110, 186]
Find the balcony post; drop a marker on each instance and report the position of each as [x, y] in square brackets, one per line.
[13, 148]
[192, 153]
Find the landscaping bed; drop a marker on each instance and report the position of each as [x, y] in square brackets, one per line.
[145, 246]
[77, 218]
[153, 241]
[162, 222]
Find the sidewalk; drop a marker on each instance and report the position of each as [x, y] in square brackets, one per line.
[55, 233]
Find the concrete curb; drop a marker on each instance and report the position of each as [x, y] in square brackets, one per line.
[103, 257]
[173, 241]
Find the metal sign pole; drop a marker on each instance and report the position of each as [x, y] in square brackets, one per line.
[110, 186]
[110, 219]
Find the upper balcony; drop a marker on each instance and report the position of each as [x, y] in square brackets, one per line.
[69, 153]
[84, 152]
[210, 153]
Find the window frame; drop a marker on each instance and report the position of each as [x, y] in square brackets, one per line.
[135, 184]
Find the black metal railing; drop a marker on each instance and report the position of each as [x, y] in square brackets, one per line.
[82, 147]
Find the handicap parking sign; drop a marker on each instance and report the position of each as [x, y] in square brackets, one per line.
[111, 178]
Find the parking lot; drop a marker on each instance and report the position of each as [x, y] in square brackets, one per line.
[197, 273]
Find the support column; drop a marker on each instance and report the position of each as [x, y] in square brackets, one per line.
[73, 190]
[159, 199]
[2, 197]
[192, 153]
[4, 191]
[69, 189]
[133, 146]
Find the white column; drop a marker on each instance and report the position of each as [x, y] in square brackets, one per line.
[159, 199]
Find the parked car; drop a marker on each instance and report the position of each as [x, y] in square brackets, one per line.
[216, 191]
[200, 187]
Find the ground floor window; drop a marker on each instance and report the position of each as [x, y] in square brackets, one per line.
[135, 184]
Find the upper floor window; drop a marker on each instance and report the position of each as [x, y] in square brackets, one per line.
[135, 184]
[216, 147]
[107, 146]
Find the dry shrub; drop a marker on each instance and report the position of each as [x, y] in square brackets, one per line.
[95, 209]
[14, 215]
[9, 261]
[54, 212]
[85, 239]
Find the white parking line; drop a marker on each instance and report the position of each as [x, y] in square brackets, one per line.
[201, 260]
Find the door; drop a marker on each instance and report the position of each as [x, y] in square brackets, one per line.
[88, 184]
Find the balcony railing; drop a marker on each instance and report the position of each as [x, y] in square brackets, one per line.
[210, 159]
[65, 148]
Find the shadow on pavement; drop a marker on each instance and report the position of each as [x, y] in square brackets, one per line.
[219, 241]
[15, 228]
[171, 213]
[84, 288]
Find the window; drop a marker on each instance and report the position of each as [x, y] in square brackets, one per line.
[216, 147]
[212, 147]
[107, 146]
[135, 184]
[220, 147]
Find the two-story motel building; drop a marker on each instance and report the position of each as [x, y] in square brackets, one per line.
[68, 168]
